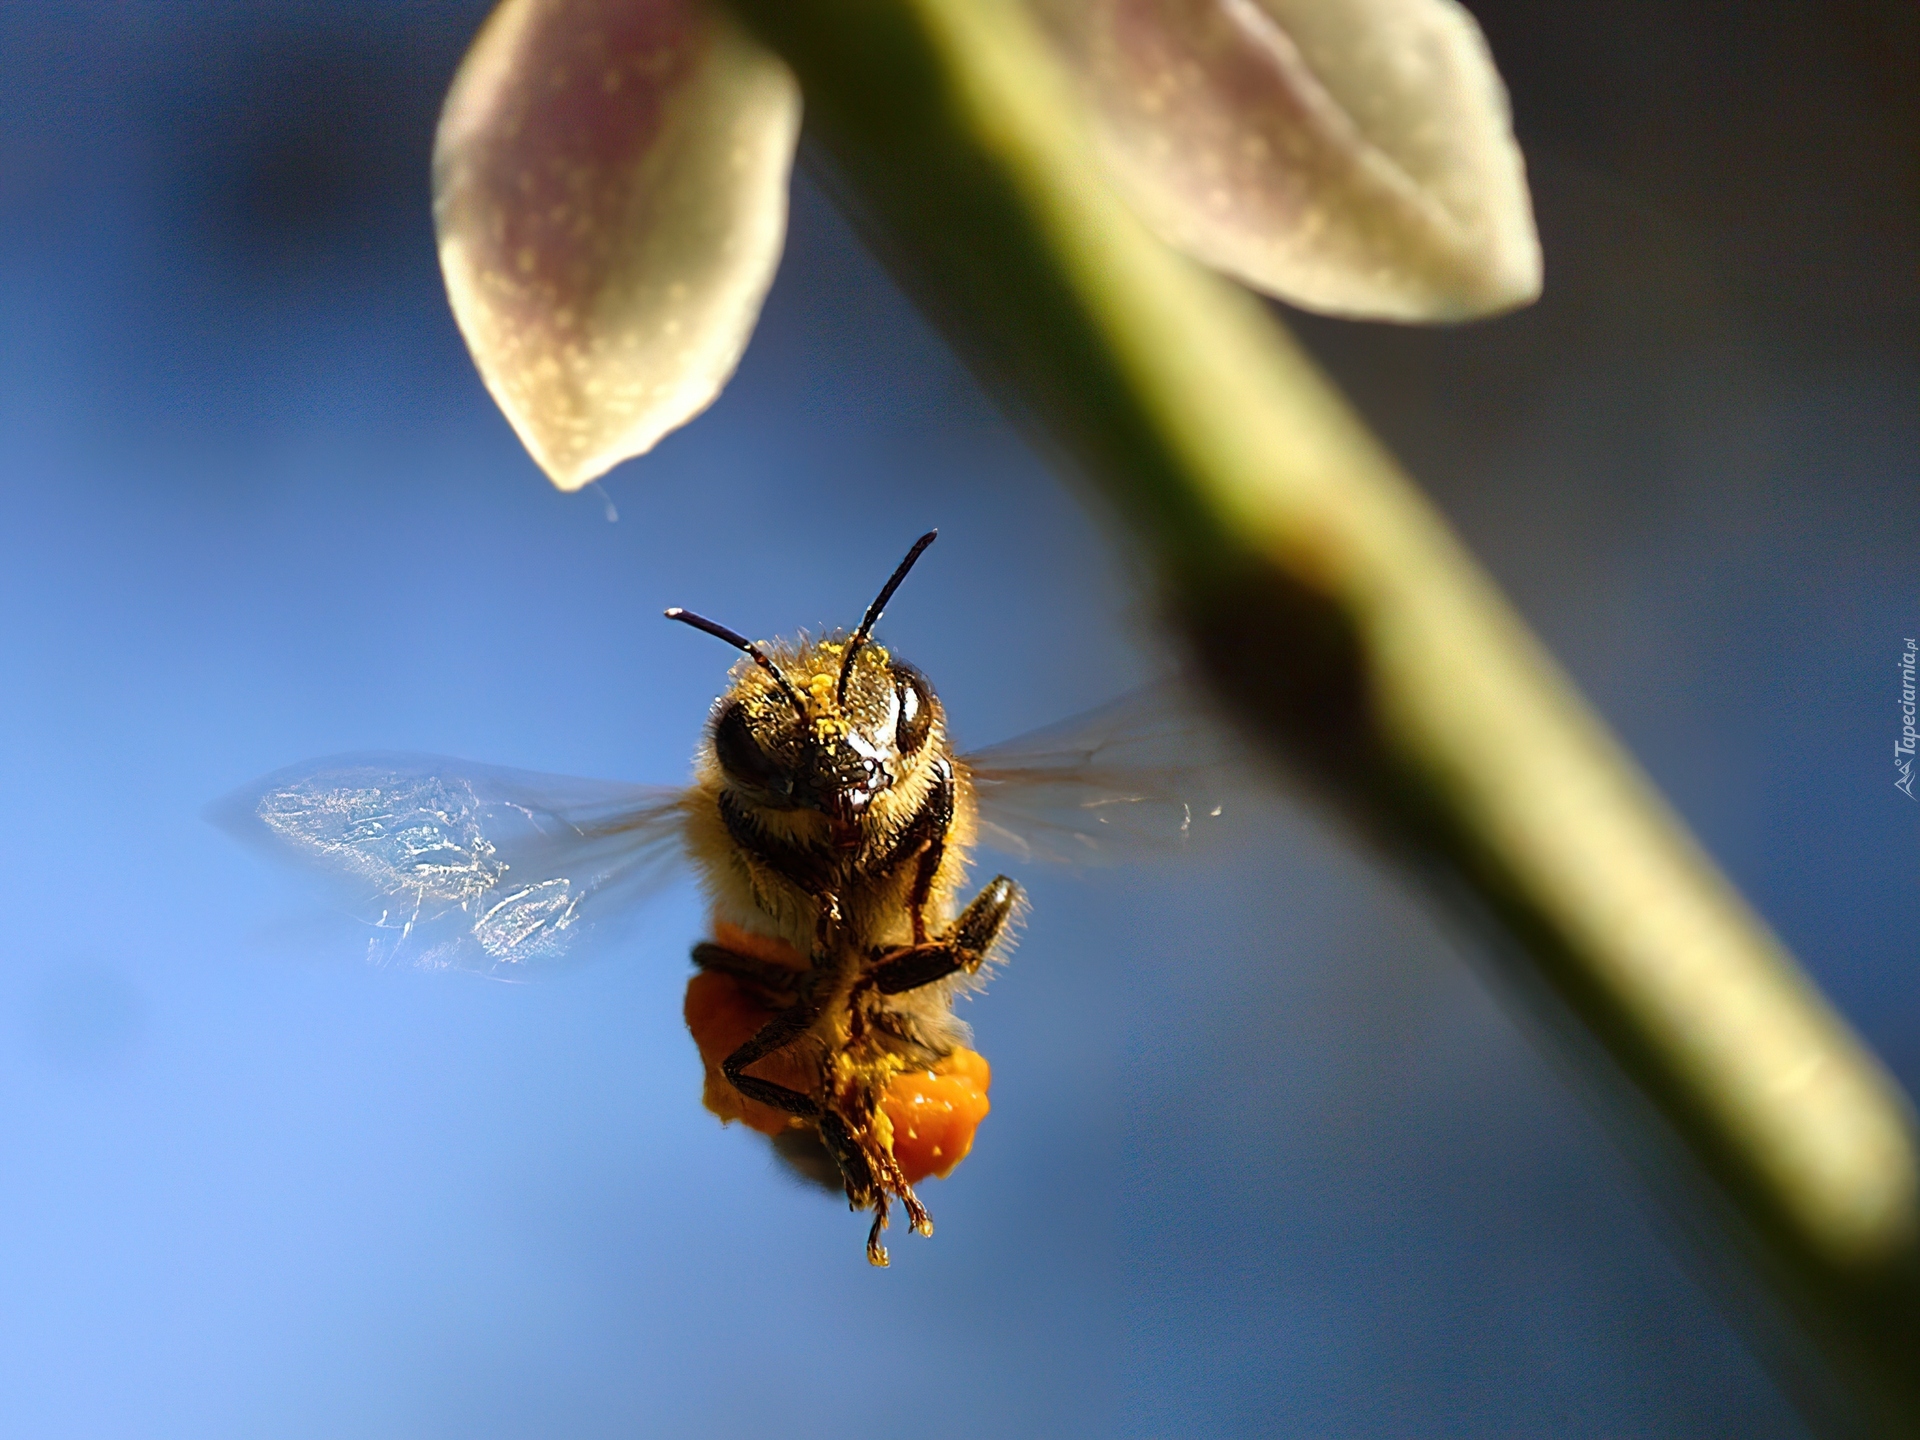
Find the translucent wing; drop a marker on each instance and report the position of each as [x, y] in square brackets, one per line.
[467, 866]
[1145, 773]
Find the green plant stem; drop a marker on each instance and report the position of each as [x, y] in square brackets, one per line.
[1345, 628]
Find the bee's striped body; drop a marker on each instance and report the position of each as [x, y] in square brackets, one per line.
[831, 823]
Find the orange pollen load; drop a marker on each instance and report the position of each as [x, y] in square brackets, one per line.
[723, 1017]
[934, 1112]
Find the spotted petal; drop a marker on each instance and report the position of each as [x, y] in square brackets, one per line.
[1350, 156]
[610, 189]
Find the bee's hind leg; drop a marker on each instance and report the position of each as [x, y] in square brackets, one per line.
[963, 946]
[778, 1033]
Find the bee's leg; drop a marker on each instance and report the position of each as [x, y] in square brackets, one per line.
[761, 974]
[916, 1213]
[807, 869]
[864, 1189]
[871, 1175]
[855, 1168]
[964, 945]
[810, 869]
[778, 1033]
[893, 1178]
[923, 873]
[876, 1252]
[925, 838]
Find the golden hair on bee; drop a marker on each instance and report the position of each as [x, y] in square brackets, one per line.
[831, 823]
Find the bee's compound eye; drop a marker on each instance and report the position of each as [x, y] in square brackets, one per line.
[740, 754]
[916, 709]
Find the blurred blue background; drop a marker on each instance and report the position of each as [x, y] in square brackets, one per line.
[1266, 1158]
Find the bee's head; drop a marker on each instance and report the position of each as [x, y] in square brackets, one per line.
[827, 725]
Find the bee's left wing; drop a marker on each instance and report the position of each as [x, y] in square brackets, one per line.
[1146, 773]
[465, 866]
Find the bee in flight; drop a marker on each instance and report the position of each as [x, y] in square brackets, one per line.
[830, 821]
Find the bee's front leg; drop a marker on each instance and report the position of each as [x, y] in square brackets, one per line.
[864, 1188]
[963, 946]
[924, 841]
[871, 1175]
[856, 1171]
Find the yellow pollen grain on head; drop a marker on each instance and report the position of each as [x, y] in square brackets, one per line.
[821, 700]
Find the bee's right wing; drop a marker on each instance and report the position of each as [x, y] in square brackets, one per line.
[1143, 774]
[467, 866]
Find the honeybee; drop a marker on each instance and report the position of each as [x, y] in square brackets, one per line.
[830, 821]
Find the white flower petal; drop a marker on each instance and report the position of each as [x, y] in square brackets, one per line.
[610, 189]
[1350, 156]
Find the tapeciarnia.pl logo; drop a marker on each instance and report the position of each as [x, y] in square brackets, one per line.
[1903, 747]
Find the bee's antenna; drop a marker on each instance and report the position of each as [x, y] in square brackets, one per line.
[873, 610]
[740, 642]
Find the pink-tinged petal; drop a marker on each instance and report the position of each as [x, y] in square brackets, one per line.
[610, 188]
[1350, 156]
